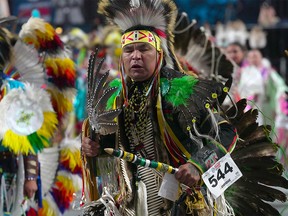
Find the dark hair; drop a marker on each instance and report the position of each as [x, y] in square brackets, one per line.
[241, 46]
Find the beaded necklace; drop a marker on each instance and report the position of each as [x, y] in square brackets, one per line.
[136, 118]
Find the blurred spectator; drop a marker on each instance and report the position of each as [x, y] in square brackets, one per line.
[64, 9]
[267, 15]
[237, 53]
[4, 8]
[257, 38]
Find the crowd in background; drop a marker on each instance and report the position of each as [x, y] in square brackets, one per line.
[254, 77]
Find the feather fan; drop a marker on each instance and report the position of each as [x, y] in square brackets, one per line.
[99, 92]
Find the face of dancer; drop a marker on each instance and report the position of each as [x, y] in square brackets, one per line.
[139, 60]
[235, 53]
[254, 57]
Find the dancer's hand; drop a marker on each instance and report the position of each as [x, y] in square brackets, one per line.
[30, 188]
[188, 174]
[90, 148]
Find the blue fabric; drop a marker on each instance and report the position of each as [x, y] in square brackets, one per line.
[80, 99]
[208, 11]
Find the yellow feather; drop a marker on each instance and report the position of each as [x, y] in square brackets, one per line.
[50, 62]
[67, 184]
[73, 156]
[65, 63]
[17, 143]
[46, 210]
[62, 103]
[49, 125]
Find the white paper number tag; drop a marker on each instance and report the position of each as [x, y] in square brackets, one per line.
[169, 187]
[221, 175]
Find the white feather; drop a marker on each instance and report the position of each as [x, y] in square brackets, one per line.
[28, 65]
[17, 97]
[32, 24]
[49, 161]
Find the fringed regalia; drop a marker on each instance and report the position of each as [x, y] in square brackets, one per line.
[37, 76]
[174, 118]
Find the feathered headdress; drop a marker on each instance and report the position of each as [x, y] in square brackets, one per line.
[156, 16]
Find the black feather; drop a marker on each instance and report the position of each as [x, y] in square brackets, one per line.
[248, 119]
[265, 178]
[262, 191]
[258, 149]
[5, 49]
[239, 110]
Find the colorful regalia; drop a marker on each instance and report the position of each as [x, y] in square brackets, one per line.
[174, 118]
[37, 90]
[27, 118]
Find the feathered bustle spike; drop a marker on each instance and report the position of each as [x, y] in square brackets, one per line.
[247, 131]
[248, 118]
[244, 143]
[262, 191]
[182, 33]
[227, 86]
[42, 35]
[240, 205]
[262, 177]
[260, 133]
[197, 49]
[252, 205]
[241, 105]
[265, 163]
[258, 149]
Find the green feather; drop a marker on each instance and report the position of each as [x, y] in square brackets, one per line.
[180, 89]
[115, 83]
[36, 142]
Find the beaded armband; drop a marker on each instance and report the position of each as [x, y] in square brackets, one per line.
[31, 167]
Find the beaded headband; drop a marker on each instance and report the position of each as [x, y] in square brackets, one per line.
[141, 36]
